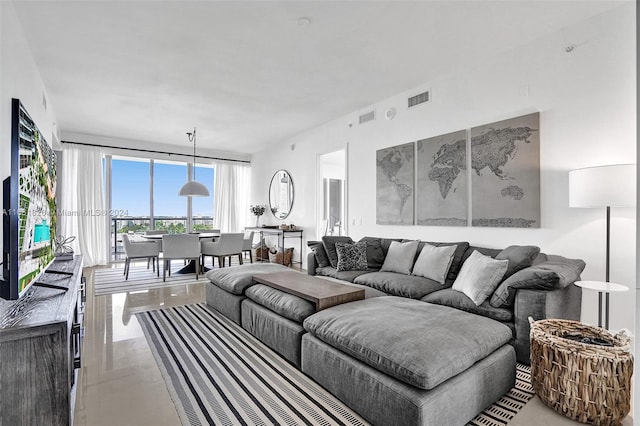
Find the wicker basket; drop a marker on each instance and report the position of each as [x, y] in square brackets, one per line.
[277, 257]
[261, 253]
[586, 382]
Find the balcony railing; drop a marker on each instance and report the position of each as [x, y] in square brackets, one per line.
[135, 227]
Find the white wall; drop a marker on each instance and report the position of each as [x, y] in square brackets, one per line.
[586, 101]
[19, 78]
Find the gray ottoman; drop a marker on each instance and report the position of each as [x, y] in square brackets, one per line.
[275, 317]
[402, 361]
[225, 291]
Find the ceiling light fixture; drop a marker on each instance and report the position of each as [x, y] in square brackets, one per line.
[302, 21]
[193, 188]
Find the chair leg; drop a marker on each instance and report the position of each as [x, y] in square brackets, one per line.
[164, 271]
[127, 262]
[197, 268]
[158, 265]
[240, 258]
[148, 258]
[251, 255]
[169, 266]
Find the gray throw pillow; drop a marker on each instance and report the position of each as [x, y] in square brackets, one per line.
[519, 257]
[375, 254]
[321, 255]
[434, 262]
[352, 257]
[479, 276]
[329, 242]
[555, 272]
[400, 257]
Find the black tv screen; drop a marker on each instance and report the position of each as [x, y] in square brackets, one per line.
[29, 202]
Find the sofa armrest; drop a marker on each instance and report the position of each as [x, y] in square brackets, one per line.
[564, 303]
[311, 263]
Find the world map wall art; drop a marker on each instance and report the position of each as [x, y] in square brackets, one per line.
[487, 176]
[394, 185]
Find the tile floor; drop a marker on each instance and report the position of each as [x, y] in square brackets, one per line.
[120, 383]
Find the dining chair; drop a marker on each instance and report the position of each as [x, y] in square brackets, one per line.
[247, 244]
[230, 244]
[156, 232]
[140, 250]
[180, 246]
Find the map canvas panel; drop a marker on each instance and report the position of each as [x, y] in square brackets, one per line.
[442, 180]
[395, 185]
[505, 173]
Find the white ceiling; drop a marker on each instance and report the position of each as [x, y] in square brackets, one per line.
[245, 73]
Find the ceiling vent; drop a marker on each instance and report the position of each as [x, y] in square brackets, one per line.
[418, 99]
[369, 116]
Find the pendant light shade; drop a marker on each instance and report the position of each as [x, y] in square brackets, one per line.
[193, 188]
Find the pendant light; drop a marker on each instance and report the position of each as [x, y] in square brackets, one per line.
[193, 188]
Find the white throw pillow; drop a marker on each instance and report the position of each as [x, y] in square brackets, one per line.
[434, 262]
[400, 257]
[479, 276]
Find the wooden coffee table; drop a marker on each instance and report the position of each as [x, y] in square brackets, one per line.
[323, 293]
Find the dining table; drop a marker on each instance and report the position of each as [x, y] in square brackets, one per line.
[190, 268]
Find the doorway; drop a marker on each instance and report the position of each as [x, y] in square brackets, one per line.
[332, 202]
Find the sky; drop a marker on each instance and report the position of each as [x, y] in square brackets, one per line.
[130, 188]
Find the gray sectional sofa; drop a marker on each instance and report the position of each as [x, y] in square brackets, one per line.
[415, 351]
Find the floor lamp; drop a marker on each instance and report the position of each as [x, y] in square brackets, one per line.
[603, 186]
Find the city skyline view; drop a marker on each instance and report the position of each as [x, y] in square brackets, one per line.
[130, 188]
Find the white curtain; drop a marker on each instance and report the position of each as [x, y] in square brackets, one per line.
[82, 209]
[231, 196]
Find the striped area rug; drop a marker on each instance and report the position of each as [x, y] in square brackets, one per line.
[217, 373]
[111, 280]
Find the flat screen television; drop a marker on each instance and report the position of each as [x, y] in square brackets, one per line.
[29, 203]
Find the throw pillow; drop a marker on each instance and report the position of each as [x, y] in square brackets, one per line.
[329, 242]
[352, 257]
[400, 257]
[479, 276]
[321, 255]
[434, 262]
[555, 272]
[519, 257]
[375, 254]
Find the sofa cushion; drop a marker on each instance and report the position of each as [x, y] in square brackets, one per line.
[329, 242]
[400, 257]
[237, 279]
[375, 254]
[479, 276]
[399, 284]
[348, 276]
[519, 257]
[321, 255]
[434, 262]
[456, 263]
[284, 304]
[555, 272]
[458, 300]
[352, 257]
[435, 343]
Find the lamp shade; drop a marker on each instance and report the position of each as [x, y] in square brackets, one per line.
[193, 189]
[613, 186]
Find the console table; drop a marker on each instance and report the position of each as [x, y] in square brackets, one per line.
[282, 234]
[40, 341]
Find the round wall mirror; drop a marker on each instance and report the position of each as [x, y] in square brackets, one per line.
[281, 194]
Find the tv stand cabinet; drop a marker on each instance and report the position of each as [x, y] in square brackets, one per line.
[40, 340]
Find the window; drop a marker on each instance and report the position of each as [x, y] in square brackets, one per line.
[202, 207]
[169, 209]
[130, 194]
